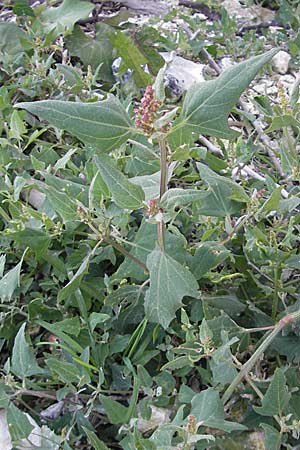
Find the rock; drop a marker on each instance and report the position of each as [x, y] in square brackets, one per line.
[159, 416]
[235, 9]
[226, 62]
[281, 62]
[157, 8]
[248, 15]
[182, 72]
[5, 439]
[39, 438]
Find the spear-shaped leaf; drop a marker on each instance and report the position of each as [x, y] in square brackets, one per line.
[105, 125]
[125, 194]
[169, 283]
[207, 105]
[276, 398]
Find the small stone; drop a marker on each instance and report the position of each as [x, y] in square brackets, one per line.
[226, 62]
[281, 62]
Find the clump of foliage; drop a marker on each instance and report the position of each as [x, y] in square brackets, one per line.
[149, 267]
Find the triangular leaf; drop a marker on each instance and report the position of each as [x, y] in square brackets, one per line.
[169, 283]
[272, 437]
[18, 423]
[106, 124]
[125, 194]
[94, 440]
[23, 363]
[10, 282]
[276, 398]
[207, 105]
[66, 15]
[131, 56]
[208, 409]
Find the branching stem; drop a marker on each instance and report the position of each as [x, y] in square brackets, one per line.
[163, 187]
[269, 337]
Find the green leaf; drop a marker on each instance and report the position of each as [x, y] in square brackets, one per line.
[278, 122]
[67, 372]
[23, 362]
[21, 8]
[180, 197]
[105, 125]
[272, 203]
[208, 255]
[62, 162]
[36, 240]
[2, 264]
[208, 409]
[272, 437]
[124, 193]
[276, 398]
[227, 303]
[144, 242]
[61, 202]
[56, 330]
[118, 413]
[10, 282]
[4, 397]
[93, 51]
[131, 56]
[207, 105]
[149, 184]
[18, 423]
[75, 281]
[66, 15]
[169, 283]
[69, 326]
[96, 318]
[223, 196]
[17, 127]
[221, 364]
[94, 440]
[98, 190]
[11, 37]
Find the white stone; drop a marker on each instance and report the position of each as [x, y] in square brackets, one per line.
[226, 62]
[5, 440]
[185, 71]
[235, 9]
[159, 416]
[39, 437]
[281, 62]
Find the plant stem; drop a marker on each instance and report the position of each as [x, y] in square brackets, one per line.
[275, 295]
[124, 252]
[163, 186]
[269, 337]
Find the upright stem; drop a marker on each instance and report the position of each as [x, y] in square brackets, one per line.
[275, 294]
[163, 187]
[270, 336]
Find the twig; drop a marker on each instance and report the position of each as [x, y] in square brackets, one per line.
[211, 61]
[213, 148]
[269, 337]
[259, 26]
[163, 186]
[125, 253]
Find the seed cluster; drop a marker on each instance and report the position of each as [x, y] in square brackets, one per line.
[145, 114]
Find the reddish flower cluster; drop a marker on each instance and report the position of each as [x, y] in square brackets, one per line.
[152, 207]
[145, 114]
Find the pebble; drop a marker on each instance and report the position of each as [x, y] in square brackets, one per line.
[281, 62]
